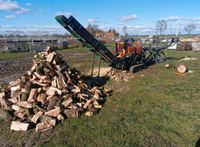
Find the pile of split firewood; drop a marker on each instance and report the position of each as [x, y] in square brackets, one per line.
[49, 92]
[117, 75]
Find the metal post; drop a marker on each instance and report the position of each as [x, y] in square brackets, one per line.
[93, 62]
[99, 67]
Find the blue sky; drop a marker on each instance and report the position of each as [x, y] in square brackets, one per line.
[139, 16]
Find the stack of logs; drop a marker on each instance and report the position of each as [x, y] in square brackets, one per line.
[49, 92]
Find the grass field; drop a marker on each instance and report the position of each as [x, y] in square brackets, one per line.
[160, 108]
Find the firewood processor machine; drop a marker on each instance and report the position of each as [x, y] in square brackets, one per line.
[131, 58]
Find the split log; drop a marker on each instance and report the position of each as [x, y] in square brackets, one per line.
[86, 104]
[19, 126]
[53, 113]
[33, 95]
[71, 113]
[41, 127]
[67, 102]
[36, 116]
[25, 104]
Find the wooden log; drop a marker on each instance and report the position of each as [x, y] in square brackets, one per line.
[19, 126]
[36, 116]
[33, 95]
[67, 102]
[15, 107]
[88, 113]
[15, 88]
[96, 105]
[72, 113]
[60, 117]
[86, 104]
[52, 91]
[2, 94]
[182, 68]
[15, 82]
[25, 104]
[50, 56]
[20, 115]
[42, 127]
[41, 97]
[54, 112]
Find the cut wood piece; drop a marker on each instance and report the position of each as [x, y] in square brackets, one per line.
[42, 127]
[36, 116]
[60, 117]
[20, 115]
[15, 107]
[86, 104]
[182, 68]
[167, 65]
[41, 97]
[25, 104]
[2, 94]
[52, 91]
[45, 119]
[15, 82]
[19, 126]
[53, 113]
[13, 100]
[50, 56]
[39, 83]
[88, 113]
[15, 88]
[33, 95]
[15, 94]
[67, 102]
[72, 113]
[61, 68]
[96, 105]
[54, 83]
[76, 89]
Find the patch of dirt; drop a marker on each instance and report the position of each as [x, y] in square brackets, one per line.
[103, 71]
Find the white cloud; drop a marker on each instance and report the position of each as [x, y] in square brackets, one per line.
[64, 13]
[28, 4]
[173, 18]
[8, 5]
[128, 18]
[10, 16]
[91, 20]
[22, 11]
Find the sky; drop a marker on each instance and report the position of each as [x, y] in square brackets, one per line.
[139, 16]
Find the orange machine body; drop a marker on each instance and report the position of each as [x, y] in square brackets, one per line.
[128, 48]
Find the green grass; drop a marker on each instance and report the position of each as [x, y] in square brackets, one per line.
[13, 56]
[159, 109]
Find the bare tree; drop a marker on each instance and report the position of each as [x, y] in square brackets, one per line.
[189, 28]
[161, 26]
